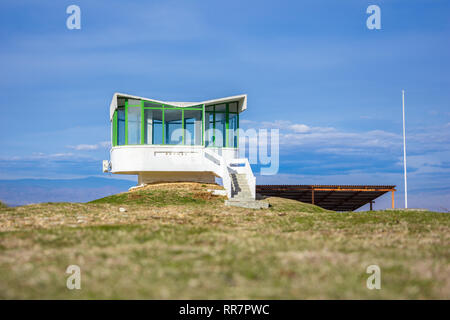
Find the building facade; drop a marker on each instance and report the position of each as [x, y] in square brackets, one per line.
[179, 142]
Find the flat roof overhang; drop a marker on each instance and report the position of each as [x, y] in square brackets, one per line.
[241, 99]
[331, 197]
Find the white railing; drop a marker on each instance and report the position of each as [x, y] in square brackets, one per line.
[219, 166]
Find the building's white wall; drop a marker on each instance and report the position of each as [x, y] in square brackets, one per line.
[156, 163]
[147, 158]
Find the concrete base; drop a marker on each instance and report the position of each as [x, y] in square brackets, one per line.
[173, 176]
[250, 204]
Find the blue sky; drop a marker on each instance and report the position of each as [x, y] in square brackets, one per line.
[310, 68]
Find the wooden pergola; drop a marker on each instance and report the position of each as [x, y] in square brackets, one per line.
[331, 197]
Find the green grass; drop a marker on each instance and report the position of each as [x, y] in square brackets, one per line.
[157, 198]
[182, 246]
[2, 205]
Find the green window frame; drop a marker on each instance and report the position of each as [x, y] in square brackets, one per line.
[114, 135]
[115, 127]
[227, 113]
[163, 107]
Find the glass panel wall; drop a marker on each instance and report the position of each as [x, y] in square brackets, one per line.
[120, 126]
[145, 122]
[220, 125]
[173, 126]
[134, 125]
[153, 126]
[232, 130]
[209, 127]
[221, 129]
[193, 127]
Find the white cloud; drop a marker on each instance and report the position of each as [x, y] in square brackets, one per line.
[329, 139]
[83, 147]
[90, 147]
[105, 144]
[336, 140]
[300, 128]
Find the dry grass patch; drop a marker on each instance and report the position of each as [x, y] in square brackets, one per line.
[176, 242]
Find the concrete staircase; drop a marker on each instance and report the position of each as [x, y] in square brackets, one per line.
[237, 178]
[241, 195]
[240, 189]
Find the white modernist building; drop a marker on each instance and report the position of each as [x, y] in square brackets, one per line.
[180, 142]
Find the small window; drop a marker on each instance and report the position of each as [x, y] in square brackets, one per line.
[134, 102]
[149, 104]
[221, 107]
[209, 108]
[233, 107]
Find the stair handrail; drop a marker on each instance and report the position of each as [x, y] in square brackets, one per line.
[220, 168]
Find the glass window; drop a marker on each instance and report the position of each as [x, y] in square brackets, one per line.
[209, 126]
[149, 104]
[120, 126]
[153, 130]
[173, 127]
[134, 125]
[134, 102]
[219, 132]
[193, 127]
[233, 107]
[232, 131]
[209, 108]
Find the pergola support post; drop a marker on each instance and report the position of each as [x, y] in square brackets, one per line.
[392, 192]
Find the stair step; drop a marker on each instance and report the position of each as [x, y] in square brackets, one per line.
[241, 194]
[247, 196]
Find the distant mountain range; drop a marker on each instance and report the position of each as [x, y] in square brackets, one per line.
[27, 191]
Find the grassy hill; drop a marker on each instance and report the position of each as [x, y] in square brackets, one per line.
[177, 241]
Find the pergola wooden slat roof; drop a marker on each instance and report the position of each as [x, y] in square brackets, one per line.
[331, 197]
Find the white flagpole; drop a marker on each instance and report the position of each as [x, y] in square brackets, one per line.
[404, 150]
